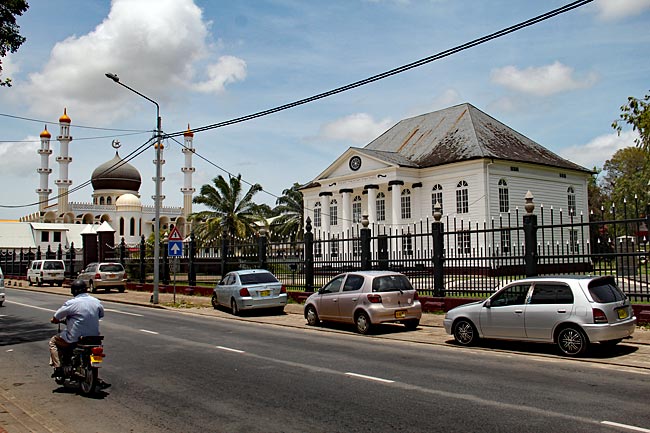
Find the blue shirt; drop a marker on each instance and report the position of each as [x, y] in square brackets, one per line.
[82, 314]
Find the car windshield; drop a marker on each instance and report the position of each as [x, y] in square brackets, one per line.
[391, 283]
[111, 267]
[259, 278]
[52, 266]
[605, 291]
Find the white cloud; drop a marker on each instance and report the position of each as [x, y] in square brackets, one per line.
[447, 98]
[152, 45]
[612, 10]
[359, 128]
[227, 70]
[600, 149]
[541, 81]
[9, 68]
[20, 158]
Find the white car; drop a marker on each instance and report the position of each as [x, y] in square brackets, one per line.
[250, 289]
[570, 311]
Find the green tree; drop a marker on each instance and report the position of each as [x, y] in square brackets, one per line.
[626, 176]
[232, 212]
[290, 211]
[637, 114]
[10, 39]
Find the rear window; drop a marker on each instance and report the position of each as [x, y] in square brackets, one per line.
[262, 277]
[52, 266]
[391, 283]
[111, 267]
[605, 291]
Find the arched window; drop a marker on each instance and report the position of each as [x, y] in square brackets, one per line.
[436, 197]
[462, 197]
[405, 201]
[109, 200]
[101, 200]
[132, 227]
[504, 198]
[317, 215]
[356, 209]
[121, 226]
[381, 207]
[334, 213]
[571, 200]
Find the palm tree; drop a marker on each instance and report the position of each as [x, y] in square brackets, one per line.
[290, 209]
[231, 213]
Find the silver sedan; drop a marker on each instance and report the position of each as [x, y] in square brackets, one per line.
[571, 312]
[249, 289]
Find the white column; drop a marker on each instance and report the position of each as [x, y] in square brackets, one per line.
[64, 160]
[372, 203]
[396, 193]
[416, 203]
[162, 178]
[187, 189]
[44, 171]
[347, 210]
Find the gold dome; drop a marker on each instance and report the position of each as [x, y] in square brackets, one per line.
[189, 132]
[64, 118]
[46, 133]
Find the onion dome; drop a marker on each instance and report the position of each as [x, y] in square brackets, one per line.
[189, 132]
[128, 200]
[116, 174]
[46, 133]
[64, 118]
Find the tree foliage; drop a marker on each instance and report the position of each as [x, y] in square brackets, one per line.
[626, 177]
[636, 113]
[10, 39]
[232, 212]
[290, 211]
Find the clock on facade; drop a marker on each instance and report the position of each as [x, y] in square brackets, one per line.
[355, 163]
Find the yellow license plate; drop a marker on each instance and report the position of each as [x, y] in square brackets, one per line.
[95, 359]
[400, 314]
[622, 313]
[265, 293]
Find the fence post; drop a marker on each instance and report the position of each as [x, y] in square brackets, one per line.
[59, 253]
[20, 262]
[123, 253]
[71, 258]
[309, 257]
[224, 255]
[191, 271]
[165, 260]
[262, 242]
[142, 254]
[38, 253]
[530, 237]
[437, 230]
[366, 258]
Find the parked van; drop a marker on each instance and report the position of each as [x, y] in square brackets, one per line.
[46, 271]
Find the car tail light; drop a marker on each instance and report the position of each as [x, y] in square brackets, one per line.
[98, 351]
[244, 292]
[283, 289]
[98, 276]
[415, 295]
[374, 299]
[599, 316]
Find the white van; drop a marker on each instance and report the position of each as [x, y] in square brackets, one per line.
[46, 271]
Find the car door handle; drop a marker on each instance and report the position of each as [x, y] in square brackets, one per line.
[519, 311]
[561, 311]
[355, 299]
[335, 300]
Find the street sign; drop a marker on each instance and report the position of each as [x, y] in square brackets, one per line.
[175, 235]
[175, 248]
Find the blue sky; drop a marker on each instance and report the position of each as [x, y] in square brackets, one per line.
[560, 82]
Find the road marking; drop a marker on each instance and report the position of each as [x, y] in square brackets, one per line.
[228, 349]
[123, 312]
[32, 306]
[149, 332]
[376, 379]
[625, 426]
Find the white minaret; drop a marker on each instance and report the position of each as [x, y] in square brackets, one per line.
[44, 171]
[63, 159]
[188, 170]
[162, 178]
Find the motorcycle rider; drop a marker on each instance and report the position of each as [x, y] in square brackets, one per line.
[81, 314]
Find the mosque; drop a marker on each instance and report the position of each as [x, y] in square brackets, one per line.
[116, 200]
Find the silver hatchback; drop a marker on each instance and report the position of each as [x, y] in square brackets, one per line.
[365, 298]
[571, 312]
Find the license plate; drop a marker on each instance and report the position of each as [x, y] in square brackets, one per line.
[400, 314]
[265, 293]
[622, 313]
[96, 359]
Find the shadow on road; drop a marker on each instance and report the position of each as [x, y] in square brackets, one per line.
[14, 330]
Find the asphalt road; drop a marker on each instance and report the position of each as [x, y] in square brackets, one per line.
[174, 372]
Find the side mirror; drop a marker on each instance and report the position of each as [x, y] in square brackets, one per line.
[322, 290]
[487, 304]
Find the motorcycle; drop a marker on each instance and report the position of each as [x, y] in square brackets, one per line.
[80, 364]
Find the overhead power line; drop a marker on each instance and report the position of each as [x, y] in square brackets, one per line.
[74, 124]
[398, 70]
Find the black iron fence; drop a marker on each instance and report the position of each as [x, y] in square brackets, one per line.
[441, 256]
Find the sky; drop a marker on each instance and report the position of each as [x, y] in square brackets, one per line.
[560, 82]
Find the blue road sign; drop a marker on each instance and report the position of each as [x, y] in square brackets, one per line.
[175, 248]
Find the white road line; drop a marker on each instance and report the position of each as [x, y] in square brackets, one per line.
[149, 332]
[625, 426]
[228, 349]
[123, 312]
[32, 306]
[376, 379]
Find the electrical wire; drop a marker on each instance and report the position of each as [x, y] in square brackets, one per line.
[74, 124]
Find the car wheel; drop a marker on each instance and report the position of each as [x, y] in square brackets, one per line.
[312, 316]
[92, 287]
[465, 332]
[1, 302]
[572, 341]
[215, 305]
[234, 307]
[363, 323]
[29, 281]
[121, 290]
[39, 283]
[60, 283]
[412, 325]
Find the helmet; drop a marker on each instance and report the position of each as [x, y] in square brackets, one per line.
[77, 287]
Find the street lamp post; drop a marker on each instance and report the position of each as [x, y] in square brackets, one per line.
[158, 147]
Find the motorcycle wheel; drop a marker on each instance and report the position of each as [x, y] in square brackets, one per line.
[88, 383]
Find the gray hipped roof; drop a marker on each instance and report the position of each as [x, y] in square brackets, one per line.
[459, 133]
